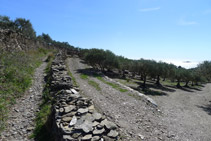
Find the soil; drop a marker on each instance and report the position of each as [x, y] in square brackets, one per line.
[22, 114]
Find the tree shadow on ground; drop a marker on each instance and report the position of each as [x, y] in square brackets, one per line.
[148, 91]
[90, 72]
[180, 88]
[153, 85]
[206, 108]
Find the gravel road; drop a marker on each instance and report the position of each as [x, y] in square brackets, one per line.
[188, 113]
[137, 119]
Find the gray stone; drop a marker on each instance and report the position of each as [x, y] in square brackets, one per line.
[67, 119]
[95, 138]
[74, 91]
[87, 137]
[61, 110]
[113, 134]
[97, 116]
[83, 110]
[108, 124]
[69, 108]
[86, 126]
[73, 121]
[95, 123]
[67, 138]
[69, 91]
[98, 132]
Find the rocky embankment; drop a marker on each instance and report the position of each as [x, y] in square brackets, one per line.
[14, 41]
[74, 116]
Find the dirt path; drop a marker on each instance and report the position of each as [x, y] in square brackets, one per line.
[188, 114]
[137, 119]
[21, 117]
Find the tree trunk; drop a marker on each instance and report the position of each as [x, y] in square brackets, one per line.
[186, 84]
[164, 79]
[178, 84]
[158, 80]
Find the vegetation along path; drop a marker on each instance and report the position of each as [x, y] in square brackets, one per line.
[188, 113]
[22, 114]
[137, 119]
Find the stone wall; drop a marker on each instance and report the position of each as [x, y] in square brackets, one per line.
[13, 41]
[75, 117]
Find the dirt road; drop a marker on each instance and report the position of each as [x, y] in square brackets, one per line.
[188, 113]
[136, 118]
[184, 116]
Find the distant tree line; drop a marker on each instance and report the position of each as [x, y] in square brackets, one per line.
[107, 61]
[25, 27]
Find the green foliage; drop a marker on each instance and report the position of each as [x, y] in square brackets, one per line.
[16, 73]
[99, 58]
[84, 76]
[94, 84]
[24, 26]
[6, 23]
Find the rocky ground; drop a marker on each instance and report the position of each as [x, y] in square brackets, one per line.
[187, 113]
[138, 119]
[22, 114]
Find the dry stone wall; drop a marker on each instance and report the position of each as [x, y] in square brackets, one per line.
[75, 117]
[14, 41]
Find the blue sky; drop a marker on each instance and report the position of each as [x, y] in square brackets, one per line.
[169, 30]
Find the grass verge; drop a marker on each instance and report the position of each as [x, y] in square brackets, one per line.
[90, 82]
[84, 76]
[71, 75]
[16, 74]
[94, 84]
[113, 85]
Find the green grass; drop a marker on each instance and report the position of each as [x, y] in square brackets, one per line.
[84, 76]
[94, 84]
[113, 85]
[71, 75]
[16, 74]
[41, 131]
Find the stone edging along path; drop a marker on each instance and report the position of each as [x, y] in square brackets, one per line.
[74, 116]
[22, 114]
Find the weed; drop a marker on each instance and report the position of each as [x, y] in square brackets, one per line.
[113, 85]
[84, 76]
[94, 84]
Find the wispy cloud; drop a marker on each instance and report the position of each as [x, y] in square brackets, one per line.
[149, 9]
[184, 22]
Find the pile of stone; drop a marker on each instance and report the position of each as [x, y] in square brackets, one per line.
[75, 117]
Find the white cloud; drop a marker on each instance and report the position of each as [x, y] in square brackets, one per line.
[185, 64]
[184, 22]
[149, 9]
